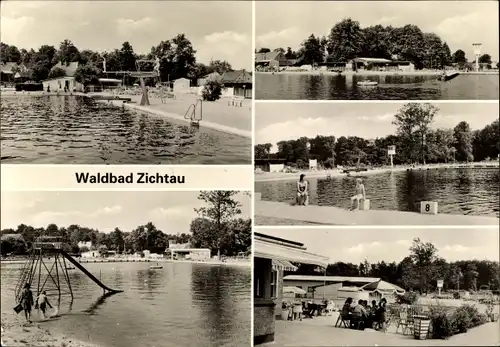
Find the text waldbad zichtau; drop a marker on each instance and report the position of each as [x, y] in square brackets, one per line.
[138, 177]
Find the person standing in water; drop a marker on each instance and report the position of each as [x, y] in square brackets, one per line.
[27, 301]
[43, 302]
[302, 196]
[359, 194]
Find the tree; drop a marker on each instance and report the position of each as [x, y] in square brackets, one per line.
[455, 276]
[485, 59]
[413, 124]
[212, 90]
[221, 208]
[423, 256]
[289, 54]
[345, 40]
[220, 66]
[9, 54]
[376, 42]
[311, 51]
[67, 53]
[264, 50]
[463, 142]
[57, 72]
[471, 276]
[459, 58]
[87, 74]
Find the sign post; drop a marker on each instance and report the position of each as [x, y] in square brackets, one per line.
[439, 285]
[391, 151]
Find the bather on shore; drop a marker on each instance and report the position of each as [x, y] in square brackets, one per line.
[302, 194]
[359, 194]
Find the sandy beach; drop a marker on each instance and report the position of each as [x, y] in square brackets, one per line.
[281, 176]
[16, 332]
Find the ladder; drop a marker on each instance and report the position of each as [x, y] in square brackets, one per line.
[192, 115]
[26, 277]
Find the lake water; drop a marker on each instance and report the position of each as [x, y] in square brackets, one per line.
[182, 304]
[75, 130]
[457, 191]
[333, 87]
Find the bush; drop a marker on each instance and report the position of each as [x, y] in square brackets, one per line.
[446, 323]
[212, 90]
[409, 298]
[441, 323]
[456, 295]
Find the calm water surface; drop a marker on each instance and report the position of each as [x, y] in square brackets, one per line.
[457, 191]
[180, 305]
[331, 87]
[74, 130]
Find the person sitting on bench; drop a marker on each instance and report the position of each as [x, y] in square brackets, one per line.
[302, 195]
[359, 194]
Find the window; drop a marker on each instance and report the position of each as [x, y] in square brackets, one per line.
[274, 284]
[259, 278]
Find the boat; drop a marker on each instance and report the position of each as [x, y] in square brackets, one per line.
[367, 83]
[448, 76]
[155, 267]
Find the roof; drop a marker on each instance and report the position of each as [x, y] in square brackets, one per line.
[18, 237]
[361, 280]
[69, 69]
[188, 249]
[373, 60]
[59, 78]
[113, 80]
[241, 76]
[181, 79]
[267, 56]
[7, 67]
[269, 248]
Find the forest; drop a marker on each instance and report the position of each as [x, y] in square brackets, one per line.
[419, 271]
[348, 40]
[177, 59]
[218, 228]
[415, 141]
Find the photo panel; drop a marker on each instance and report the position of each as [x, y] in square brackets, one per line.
[372, 163]
[119, 83]
[383, 50]
[126, 268]
[376, 287]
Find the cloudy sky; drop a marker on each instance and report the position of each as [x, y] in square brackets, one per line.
[459, 23]
[219, 30]
[353, 245]
[171, 212]
[275, 122]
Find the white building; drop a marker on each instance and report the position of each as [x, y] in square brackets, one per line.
[85, 244]
[182, 85]
[68, 82]
[90, 254]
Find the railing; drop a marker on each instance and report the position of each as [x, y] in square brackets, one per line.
[191, 112]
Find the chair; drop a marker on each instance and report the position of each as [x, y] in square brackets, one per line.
[404, 322]
[356, 322]
[344, 318]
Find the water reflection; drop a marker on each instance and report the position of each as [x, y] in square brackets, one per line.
[458, 191]
[66, 130]
[398, 87]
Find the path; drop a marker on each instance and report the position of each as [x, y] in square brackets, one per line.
[320, 331]
[337, 216]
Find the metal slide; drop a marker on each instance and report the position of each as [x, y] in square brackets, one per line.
[85, 271]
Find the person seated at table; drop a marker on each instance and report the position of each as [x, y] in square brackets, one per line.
[374, 306]
[347, 308]
[302, 195]
[359, 313]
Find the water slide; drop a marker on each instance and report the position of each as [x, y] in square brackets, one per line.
[85, 271]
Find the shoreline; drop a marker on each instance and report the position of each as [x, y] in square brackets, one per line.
[371, 73]
[281, 176]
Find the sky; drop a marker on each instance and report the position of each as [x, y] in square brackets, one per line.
[275, 122]
[171, 212]
[389, 244]
[220, 30]
[459, 23]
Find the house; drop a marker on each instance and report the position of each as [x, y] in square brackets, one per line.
[64, 83]
[91, 254]
[273, 59]
[210, 77]
[240, 81]
[180, 251]
[272, 256]
[182, 85]
[13, 72]
[379, 64]
[84, 244]
[269, 164]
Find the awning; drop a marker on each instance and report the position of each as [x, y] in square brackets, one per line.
[110, 80]
[383, 286]
[283, 265]
[269, 250]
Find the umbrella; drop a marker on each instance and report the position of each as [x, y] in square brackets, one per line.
[294, 290]
[383, 287]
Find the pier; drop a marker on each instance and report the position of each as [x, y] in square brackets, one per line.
[331, 215]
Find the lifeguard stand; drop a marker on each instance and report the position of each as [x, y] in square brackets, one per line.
[477, 53]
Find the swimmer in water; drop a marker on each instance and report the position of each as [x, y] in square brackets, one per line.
[359, 194]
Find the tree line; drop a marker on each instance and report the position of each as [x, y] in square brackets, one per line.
[347, 40]
[419, 271]
[217, 228]
[415, 142]
[177, 59]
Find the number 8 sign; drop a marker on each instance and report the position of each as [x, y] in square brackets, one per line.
[429, 207]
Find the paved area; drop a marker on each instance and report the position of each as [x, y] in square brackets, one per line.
[337, 216]
[321, 331]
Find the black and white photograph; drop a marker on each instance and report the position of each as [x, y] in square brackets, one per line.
[108, 269]
[126, 82]
[378, 50]
[376, 287]
[377, 163]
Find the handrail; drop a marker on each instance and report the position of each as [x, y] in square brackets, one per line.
[191, 112]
